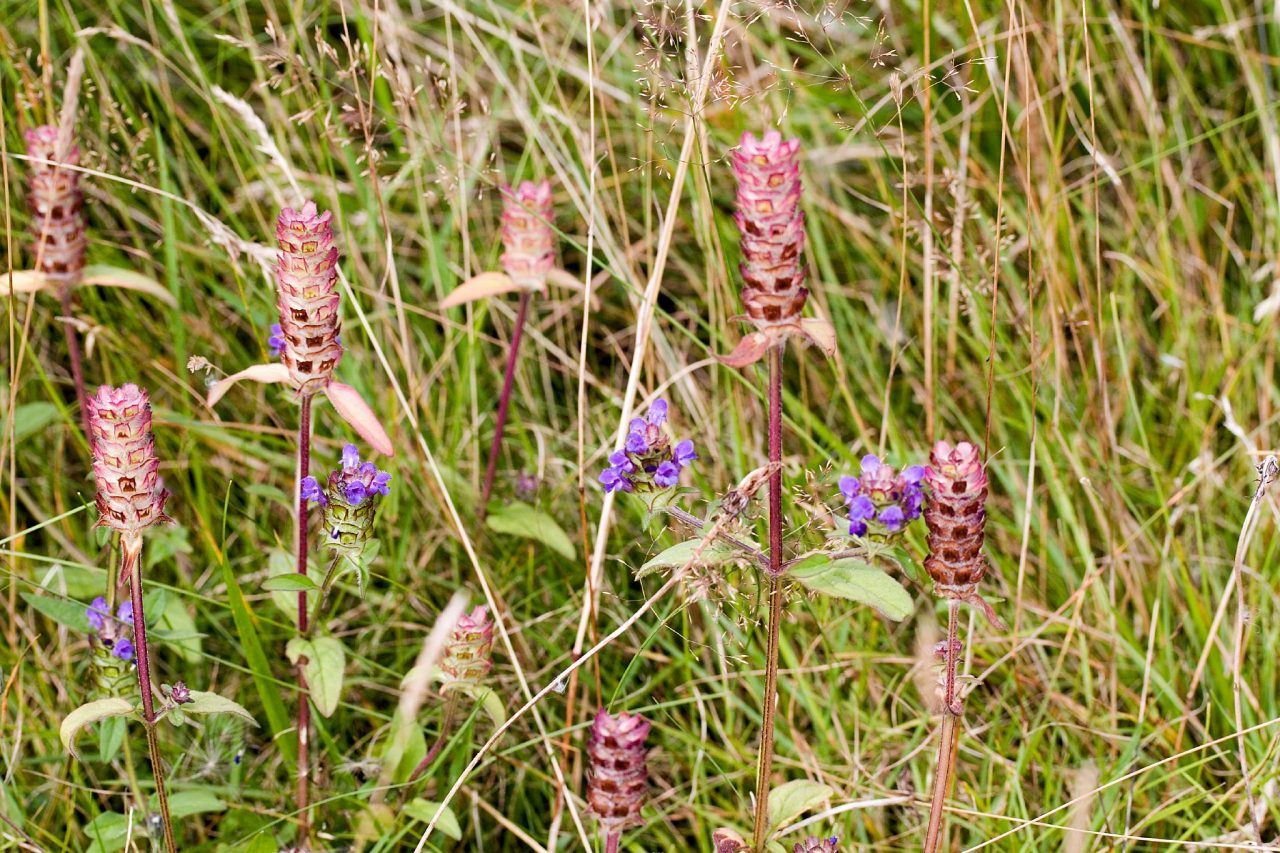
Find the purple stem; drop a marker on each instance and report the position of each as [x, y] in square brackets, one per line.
[77, 365]
[611, 842]
[504, 402]
[131, 549]
[446, 723]
[775, 570]
[947, 742]
[304, 694]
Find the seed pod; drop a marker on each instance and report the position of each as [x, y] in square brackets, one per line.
[57, 208]
[466, 659]
[307, 297]
[527, 236]
[616, 787]
[772, 226]
[813, 844]
[131, 495]
[956, 519]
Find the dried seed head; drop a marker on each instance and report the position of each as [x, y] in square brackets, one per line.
[527, 235]
[131, 495]
[956, 518]
[616, 787]
[57, 208]
[725, 840]
[307, 296]
[813, 844]
[772, 226]
[466, 659]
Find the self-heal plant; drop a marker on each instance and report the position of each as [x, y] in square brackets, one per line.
[131, 497]
[348, 500]
[462, 671]
[619, 778]
[648, 459]
[956, 518]
[310, 348]
[881, 501]
[528, 242]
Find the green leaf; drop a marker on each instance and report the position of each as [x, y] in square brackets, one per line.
[211, 703]
[677, 556]
[64, 611]
[792, 799]
[110, 738]
[856, 581]
[490, 701]
[187, 803]
[108, 832]
[30, 418]
[326, 661]
[88, 713]
[425, 811]
[248, 631]
[281, 564]
[291, 582]
[177, 628]
[520, 519]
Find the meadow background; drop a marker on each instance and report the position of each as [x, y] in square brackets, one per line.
[1048, 223]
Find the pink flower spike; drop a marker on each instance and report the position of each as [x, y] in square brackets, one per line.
[355, 411]
[527, 234]
[264, 373]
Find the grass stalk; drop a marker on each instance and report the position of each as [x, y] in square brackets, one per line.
[765, 766]
[948, 738]
[304, 694]
[131, 553]
[504, 402]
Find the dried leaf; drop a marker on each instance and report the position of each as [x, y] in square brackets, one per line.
[749, 350]
[355, 411]
[104, 275]
[479, 287]
[820, 333]
[265, 373]
[24, 281]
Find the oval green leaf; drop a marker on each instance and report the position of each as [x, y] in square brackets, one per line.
[520, 519]
[856, 581]
[88, 713]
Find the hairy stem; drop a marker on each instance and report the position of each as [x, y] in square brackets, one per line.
[304, 694]
[611, 842]
[73, 353]
[951, 711]
[131, 552]
[775, 569]
[504, 402]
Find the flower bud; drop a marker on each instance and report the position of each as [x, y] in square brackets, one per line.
[956, 519]
[131, 495]
[307, 297]
[57, 208]
[466, 659]
[527, 236]
[618, 777]
[813, 844]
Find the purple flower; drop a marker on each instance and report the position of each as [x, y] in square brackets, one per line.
[356, 492]
[125, 613]
[123, 649]
[683, 453]
[97, 613]
[380, 483]
[667, 475]
[311, 491]
[180, 693]
[276, 342]
[657, 413]
[882, 501]
[351, 456]
[636, 443]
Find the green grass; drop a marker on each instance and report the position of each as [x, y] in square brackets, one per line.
[1132, 393]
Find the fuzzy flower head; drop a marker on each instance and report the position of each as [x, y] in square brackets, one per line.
[618, 777]
[113, 650]
[466, 659]
[131, 496]
[349, 499]
[648, 460]
[307, 296]
[813, 844]
[57, 207]
[527, 234]
[882, 501]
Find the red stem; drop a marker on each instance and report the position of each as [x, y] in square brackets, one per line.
[504, 402]
[612, 841]
[131, 549]
[73, 351]
[948, 739]
[775, 570]
[304, 694]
